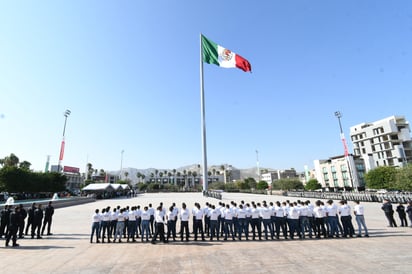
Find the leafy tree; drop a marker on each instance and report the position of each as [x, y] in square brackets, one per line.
[287, 184]
[382, 177]
[404, 178]
[262, 185]
[10, 161]
[25, 165]
[313, 184]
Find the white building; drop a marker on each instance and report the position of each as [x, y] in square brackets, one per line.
[341, 172]
[272, 176]
[386, 142]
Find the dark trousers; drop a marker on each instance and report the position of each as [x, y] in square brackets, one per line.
[402, 217]
[29, 223]
[46, 221]
[131, 230]
[184, 227]
[35, 229]
[346, 223]
[320, 227]
[389, 216]
[280, 224]
[293, 227]
[214, 229]
[160, 231]
[11, 234]
[21, 229]
[171, 230]
[105, 229]
[242, 228]
[199, 228]
[256, 227]
[267, 224]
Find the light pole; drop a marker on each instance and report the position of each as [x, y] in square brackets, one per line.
[257, 165]
[121, 164]
[338, 115]
[66, 114]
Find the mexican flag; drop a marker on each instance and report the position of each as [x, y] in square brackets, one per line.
[212, 53]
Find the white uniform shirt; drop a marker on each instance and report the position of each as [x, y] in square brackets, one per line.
[344, 210]
[96, 218]
[228, 214]
[332, 210]
[359, 209]
[145, 215]
[214, 214]
[184, 215]
[265, 213]
[318, 212]
[279, 211]
[293, 213]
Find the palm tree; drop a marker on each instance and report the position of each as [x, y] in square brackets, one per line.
[178, 174]
[126, 174]
[152, 176]
[139, 175]
[143, 176]
[161, 176]
[169, 174]
[156, 173]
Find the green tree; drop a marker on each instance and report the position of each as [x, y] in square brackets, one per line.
[262, 185]
[313, 184]
[404, 178]
[382, 177]
[287, 184]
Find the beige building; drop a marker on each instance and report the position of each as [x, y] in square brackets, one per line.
[386, 142]
[341, 172]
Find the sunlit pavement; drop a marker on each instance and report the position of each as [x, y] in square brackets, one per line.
[68, 250]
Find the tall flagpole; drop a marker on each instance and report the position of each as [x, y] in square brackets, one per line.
[203, 119]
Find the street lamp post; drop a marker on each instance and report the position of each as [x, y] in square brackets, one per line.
[338, 115]
[121, 164]
[66, 114]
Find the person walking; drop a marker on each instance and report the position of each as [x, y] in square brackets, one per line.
[359, 211]
[388, 209]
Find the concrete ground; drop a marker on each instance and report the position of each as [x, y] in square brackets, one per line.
[68, 250]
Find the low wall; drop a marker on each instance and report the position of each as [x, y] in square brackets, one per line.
[58, 203]
[352, 196]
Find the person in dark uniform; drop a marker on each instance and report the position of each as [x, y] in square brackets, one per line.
[388, 209]
[13, 227]
[30, 214]
[48, 214]
[402, 214]
[37, 218]
[22, 217]
[5, 219]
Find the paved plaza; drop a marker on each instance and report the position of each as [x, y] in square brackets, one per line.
[68, 250]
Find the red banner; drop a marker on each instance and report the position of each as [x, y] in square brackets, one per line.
[61, 151]
[71, 169]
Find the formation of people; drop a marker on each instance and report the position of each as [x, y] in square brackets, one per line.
[231, 221]
[13, 222]
[400, 209]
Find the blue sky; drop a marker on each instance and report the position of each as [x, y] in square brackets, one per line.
[129, 73]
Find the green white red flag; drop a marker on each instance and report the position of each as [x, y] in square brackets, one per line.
[212, 53]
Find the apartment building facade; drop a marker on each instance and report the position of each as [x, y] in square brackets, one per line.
[386, 142]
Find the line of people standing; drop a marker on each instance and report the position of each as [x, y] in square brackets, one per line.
[257, 221]
[13, 222]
